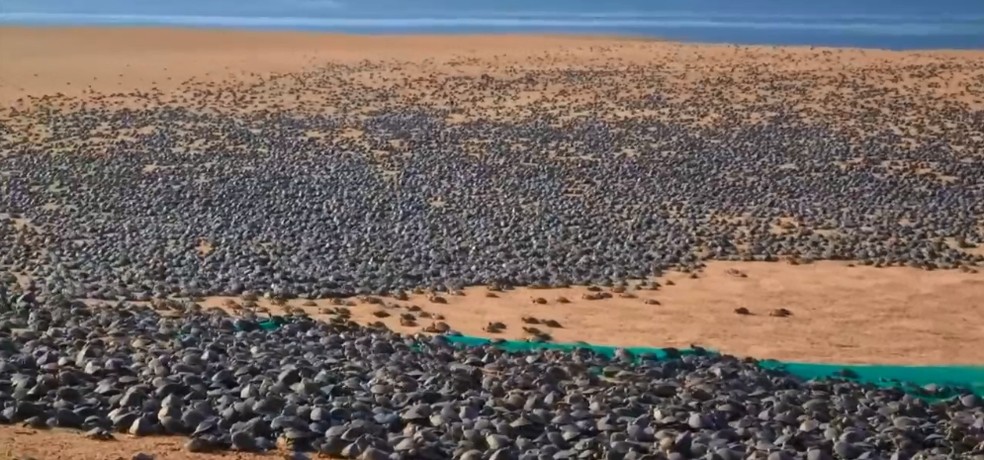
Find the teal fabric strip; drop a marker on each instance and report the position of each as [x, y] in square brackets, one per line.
[914, 379]
[918, 380]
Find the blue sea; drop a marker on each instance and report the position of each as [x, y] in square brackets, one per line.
[894, 24]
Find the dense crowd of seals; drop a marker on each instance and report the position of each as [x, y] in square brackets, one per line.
[346, 188]
[352, 392]
[388, 193]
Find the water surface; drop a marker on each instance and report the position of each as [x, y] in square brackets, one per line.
[896, 24]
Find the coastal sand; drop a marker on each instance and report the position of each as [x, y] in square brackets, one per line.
[87, 61]
[17, 443]
[839, 313]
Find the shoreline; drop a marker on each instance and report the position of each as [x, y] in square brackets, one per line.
[77, 62]
[431, 36]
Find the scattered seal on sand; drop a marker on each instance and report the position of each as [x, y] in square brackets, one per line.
[780, 313]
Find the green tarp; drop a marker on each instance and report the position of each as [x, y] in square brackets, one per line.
[909, 378]
[913, 379]
[520, 346]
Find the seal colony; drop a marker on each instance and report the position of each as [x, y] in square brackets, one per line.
[377, 178]
[351, 178]
[347, 391]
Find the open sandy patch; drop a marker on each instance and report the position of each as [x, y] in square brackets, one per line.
[840, 314]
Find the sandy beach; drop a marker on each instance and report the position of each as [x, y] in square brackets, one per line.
[841, 311]
[172, 62]
[938, 313]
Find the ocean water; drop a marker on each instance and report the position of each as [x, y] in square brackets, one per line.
[894, 24]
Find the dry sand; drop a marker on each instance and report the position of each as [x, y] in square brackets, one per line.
[840, 314]
[429, 70]
[18, 443]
